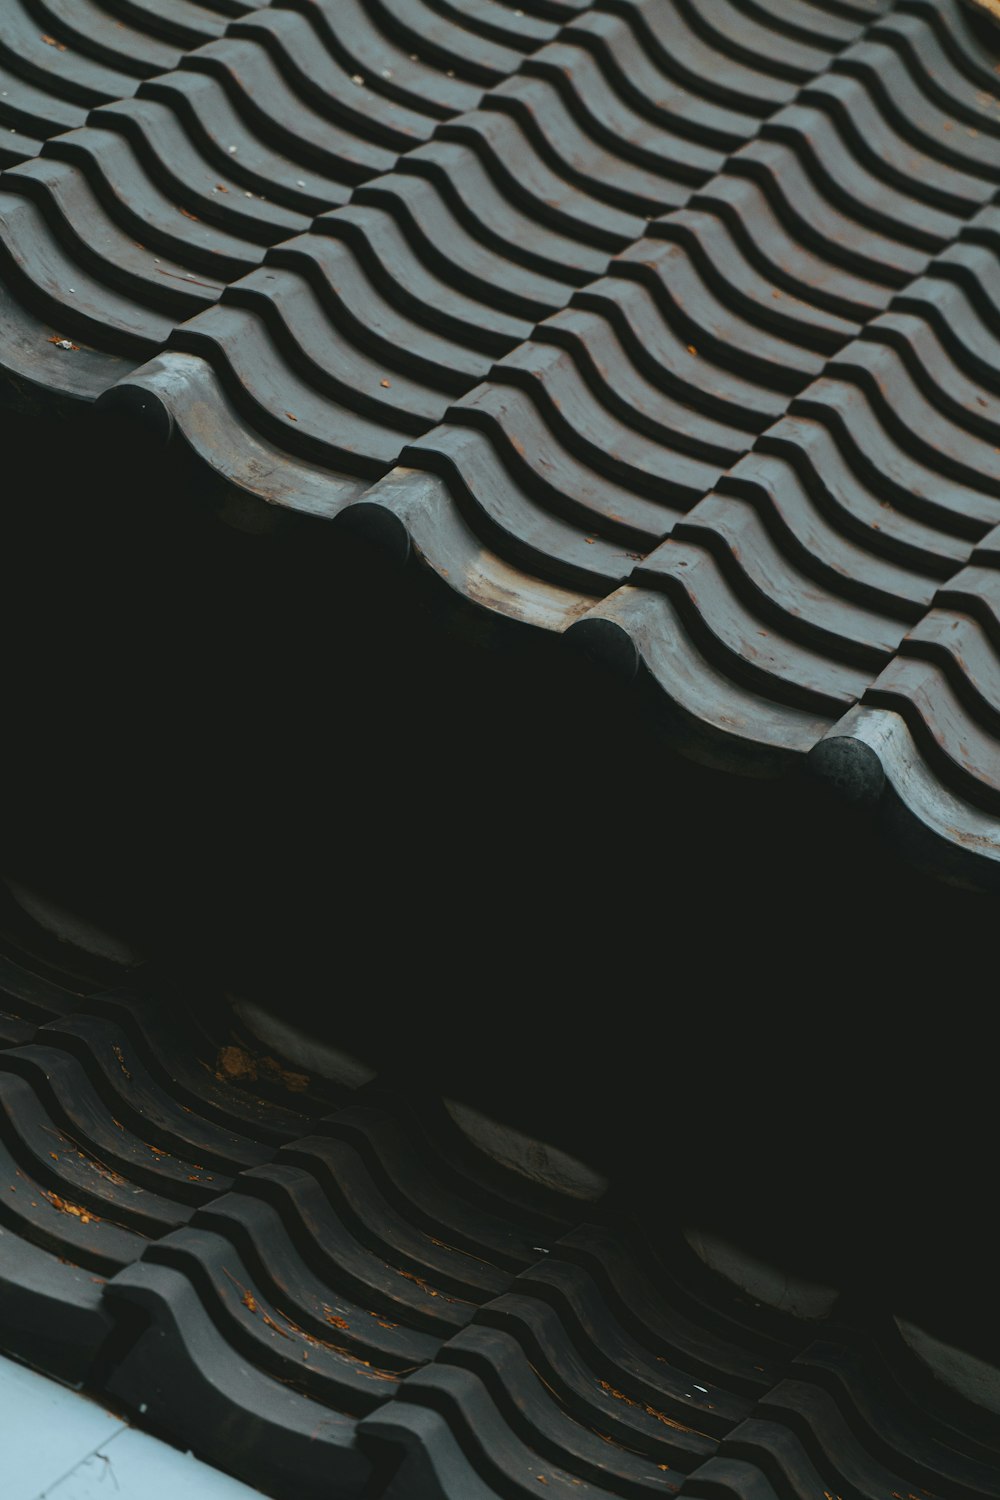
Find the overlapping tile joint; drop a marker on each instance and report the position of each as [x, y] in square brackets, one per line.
[333, 1294]
[671, 326]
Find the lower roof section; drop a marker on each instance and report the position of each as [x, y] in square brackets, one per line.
[335, 1291]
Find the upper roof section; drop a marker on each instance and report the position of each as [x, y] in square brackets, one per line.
[671, 327]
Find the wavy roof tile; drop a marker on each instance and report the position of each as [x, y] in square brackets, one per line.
[671, 327]
[664, 325]
[330, 1291]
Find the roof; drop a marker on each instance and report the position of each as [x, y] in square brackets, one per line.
[663, 327]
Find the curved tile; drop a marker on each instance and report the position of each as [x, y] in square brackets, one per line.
[386, 63]
[752, 211]
[222, 1077]
[591, 94]
[902, 87]
[815, 1415]
[423, 1456]
[536, 1209]
[410, 1174]
[894, 467]
[549, 1384]
[700, 55]
[938, 430]
[919, 38]
[957, 300]
[274, 111]
[140, 1100]
[730, 333]
[228, 144]
[51, 64]
[318, 78]
[920, 749]
[535, 1415]
[806, 202]
[829, 149]
[30, 113]
[897, 529]
[51, 1312]
[187, 23]
[29, 999]
[894, 150]
[657, 1286]
[639, 310]
[816, 25]
[258, 1427]
[931, 367]
[721, 259]
[433, 32]
[38, 351]
[604, 357]
[310, 1356]
[313, 1293]
[469, 1450]
[962, 44]
[593, 1388]
[89, 31]
[34, 1203]
[208, 184]
[791, 625]
[411, 272]
[896, 1413]
[509, 25]
[661, 83]
[548, 512]
[59, 58]
[59, 1135]
[712, 708]
[552, 198]
[847, 541]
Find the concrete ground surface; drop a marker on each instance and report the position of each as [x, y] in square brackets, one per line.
[58, 1445]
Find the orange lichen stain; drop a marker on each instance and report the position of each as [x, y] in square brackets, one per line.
[72, 1209]
[234, 1063]
[247, 1297]
[419, 1281]
[270, 1323]
[650, 1411]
